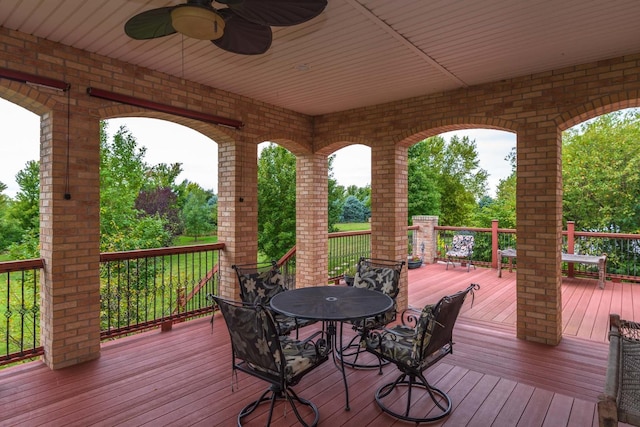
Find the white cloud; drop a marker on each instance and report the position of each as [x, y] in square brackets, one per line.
[19, 142]
[168, 142]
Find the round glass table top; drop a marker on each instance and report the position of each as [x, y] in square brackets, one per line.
[331, 303]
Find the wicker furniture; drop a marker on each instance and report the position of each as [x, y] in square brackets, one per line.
[620, 401]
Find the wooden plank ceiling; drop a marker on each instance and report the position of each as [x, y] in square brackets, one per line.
[357, 52]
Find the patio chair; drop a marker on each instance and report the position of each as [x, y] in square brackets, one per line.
[258, 350]
[259, 282]
[423, 338]
[379, 275]
[461, 249]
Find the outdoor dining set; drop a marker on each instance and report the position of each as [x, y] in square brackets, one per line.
[266, 331]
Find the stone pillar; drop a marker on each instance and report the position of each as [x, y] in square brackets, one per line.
[539, 231]
[70, 235]
[389, 207]
[312, 241]
[426, 237]
[237, 210]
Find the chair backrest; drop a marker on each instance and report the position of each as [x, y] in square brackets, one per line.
[254, 337]
[380, 275]
[259, 282]
[434, 328]
[463, 243]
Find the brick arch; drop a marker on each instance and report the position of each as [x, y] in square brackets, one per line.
[436, 127]
[36, 101]
[336, 143]
[598, 107]
[217, 133]
[296, 148]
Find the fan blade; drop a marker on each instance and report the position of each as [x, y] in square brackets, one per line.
[242, 36]
[151, 24]
[278, 13]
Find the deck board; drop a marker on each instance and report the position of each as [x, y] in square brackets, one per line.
[183, 377]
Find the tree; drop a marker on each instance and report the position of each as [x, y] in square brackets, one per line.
[353, 210]
[445, 179]
[20, 221]
[161, 201]
[276, 201]
[503, 207]
[26, 209]
[196, 214]
[123, 173]
[10, 230]
[335, 194]
[601, 183]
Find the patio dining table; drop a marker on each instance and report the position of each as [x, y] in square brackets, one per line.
[332, 304]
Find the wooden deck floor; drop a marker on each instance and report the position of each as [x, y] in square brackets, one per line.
[183, 377]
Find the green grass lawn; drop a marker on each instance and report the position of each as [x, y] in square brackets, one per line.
[188, 240]
[354, 226]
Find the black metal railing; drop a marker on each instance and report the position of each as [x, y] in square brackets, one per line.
[20, 299]
[147, 288]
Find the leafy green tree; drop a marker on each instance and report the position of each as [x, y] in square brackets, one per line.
[10, 230]
[276, 201]
[26, 209]
[196, 213]
[601, 183]
[335, 198]
[422, 189]
[451, 172]
[123, 174]
[21, 220]
[503, 207]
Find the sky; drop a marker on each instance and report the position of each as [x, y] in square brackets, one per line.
[168, 142]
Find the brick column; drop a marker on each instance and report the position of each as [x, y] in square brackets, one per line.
[70, 236]
[539, 231]
[389, 207]
[312, 242]
[237, 210]
[426, 235]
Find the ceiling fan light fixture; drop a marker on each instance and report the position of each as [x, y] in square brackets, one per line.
[197, 22]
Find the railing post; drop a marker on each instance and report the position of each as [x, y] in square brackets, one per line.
[494, 244]
[571, 239]
[426, 235]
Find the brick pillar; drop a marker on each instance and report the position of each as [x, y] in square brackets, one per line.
[312, 241]
[426, 237]
[237, 210]
[539, 231]
[389, 207]
[70, 236]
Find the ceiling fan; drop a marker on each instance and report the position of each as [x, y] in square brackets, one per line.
[243, 26]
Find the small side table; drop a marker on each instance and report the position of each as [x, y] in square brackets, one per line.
[509, 253]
